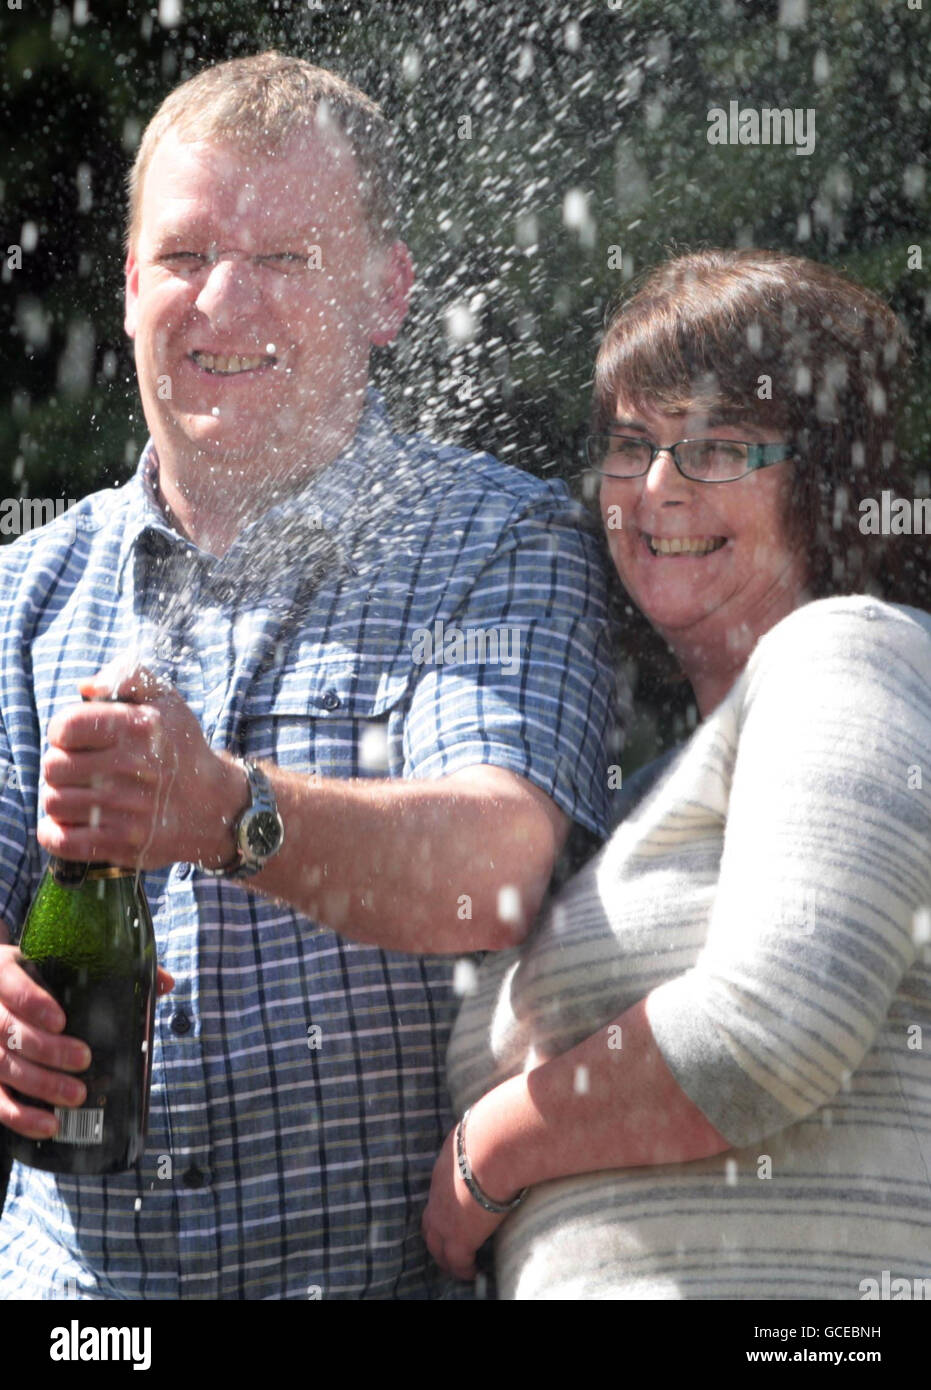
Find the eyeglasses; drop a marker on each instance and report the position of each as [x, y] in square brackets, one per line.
[701, 460]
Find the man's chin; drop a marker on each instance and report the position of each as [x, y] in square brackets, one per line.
[222, 443]
[222, 461]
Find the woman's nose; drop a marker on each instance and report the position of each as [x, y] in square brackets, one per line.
[663, 477]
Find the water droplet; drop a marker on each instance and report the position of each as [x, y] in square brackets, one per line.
[410, 65]
[921, 926]
[509, 904]
[169, 13]
[465, 977]
[460, 323]
[373, 749]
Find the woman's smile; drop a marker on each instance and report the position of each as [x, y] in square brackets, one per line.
[682, 547]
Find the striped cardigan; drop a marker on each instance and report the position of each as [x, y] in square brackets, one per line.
[771, 894]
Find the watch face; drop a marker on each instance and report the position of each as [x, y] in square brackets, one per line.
[263, 833]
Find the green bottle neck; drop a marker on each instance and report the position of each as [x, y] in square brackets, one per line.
[68, 873]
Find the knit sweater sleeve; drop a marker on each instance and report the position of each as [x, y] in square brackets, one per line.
[825, 878]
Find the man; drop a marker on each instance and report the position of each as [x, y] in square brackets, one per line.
[301, 622]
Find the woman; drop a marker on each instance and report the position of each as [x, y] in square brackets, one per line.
[707, 1066]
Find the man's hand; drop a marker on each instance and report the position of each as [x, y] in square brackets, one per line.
[35, 1054]
[131, 780]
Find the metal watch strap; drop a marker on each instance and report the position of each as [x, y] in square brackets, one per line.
[262, 798]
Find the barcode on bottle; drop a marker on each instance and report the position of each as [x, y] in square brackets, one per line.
[82, 1127]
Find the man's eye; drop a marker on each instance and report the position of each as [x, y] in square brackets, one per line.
[184, 258]
[284, 260]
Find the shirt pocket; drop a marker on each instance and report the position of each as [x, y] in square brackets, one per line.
[333, 717]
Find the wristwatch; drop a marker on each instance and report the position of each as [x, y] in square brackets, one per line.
[258, 831]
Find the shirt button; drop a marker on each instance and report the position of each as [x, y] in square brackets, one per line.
[180, 1023]
[330, 700]
[193, 1177]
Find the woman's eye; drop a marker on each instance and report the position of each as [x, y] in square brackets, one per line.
[720, 448]
[729, 450]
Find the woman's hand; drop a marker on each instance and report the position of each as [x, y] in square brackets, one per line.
[454, 1225]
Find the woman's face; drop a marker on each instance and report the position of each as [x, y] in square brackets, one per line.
[752, 577]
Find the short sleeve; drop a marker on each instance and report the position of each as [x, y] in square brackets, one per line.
[825, 869]
[522, 676]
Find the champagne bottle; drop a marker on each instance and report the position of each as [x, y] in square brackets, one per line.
[89, 941]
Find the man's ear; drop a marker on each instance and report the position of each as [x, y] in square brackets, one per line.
[131, 293]
[393, 294]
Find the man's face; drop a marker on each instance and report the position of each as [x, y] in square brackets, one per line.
[253, 293]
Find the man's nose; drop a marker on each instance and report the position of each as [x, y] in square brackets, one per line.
[229, 290]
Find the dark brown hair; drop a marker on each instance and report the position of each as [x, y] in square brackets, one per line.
[794, 346]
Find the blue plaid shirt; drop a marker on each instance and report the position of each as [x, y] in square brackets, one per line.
[298, 1094]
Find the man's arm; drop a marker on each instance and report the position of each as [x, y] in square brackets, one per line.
[460, 863]
[453, 864]
[455, 854]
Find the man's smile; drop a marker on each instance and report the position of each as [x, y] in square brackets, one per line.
[233, 365]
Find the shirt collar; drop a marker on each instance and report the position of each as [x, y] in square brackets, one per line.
[326, 500]
[144, 510]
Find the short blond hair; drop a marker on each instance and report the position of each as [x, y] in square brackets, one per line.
[262, 102]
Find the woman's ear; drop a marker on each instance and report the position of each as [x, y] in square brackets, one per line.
[395, 279]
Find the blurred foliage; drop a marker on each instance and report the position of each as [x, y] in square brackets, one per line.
[586, 161]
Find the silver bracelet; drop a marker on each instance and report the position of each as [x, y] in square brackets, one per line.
[465, 1172]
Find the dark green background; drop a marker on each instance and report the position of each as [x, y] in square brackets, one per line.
[609, 102]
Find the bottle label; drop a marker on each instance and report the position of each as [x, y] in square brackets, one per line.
[82, 1127]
